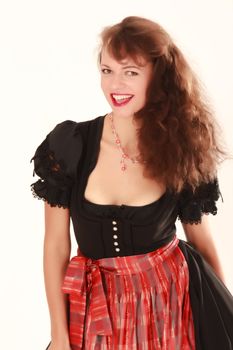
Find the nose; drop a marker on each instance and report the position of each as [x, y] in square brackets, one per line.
[117, 81]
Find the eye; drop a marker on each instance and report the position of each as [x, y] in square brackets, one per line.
[131, 73]
[104, 70]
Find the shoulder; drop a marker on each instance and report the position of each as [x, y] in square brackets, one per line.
[64, 137]
[66, 140]
[65, 132]
[69, 131]
[56, 161]
[63, 144]
[205, 190]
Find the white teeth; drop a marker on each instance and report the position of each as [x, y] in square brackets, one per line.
[121, 97]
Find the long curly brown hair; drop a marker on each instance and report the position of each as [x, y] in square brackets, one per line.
[179, 135]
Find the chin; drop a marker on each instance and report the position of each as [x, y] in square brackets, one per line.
[123, 114]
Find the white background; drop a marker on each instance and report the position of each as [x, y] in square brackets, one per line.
[48, 73]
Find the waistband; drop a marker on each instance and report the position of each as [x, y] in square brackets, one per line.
[83, 278]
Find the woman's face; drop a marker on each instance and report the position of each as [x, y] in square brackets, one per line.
[124, 84]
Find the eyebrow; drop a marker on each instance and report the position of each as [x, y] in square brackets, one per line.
[137, 67]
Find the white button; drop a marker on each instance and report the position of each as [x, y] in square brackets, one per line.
[115, 243]
[115, 236]
[114, 222]
[117, 249]
[115, 228]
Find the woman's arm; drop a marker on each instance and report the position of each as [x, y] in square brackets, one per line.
[56, 257]
[200, 237]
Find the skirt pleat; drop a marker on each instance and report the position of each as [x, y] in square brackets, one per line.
[148, 303]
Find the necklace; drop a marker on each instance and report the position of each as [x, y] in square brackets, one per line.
[124, 156]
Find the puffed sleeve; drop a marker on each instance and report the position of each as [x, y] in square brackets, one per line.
[55, 162]
[192, 206]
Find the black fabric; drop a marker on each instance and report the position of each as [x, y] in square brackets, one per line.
[192, 206]
[211, 301]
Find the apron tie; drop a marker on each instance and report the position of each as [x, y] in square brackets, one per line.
[83, 281]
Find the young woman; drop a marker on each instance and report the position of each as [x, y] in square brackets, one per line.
[123, 179]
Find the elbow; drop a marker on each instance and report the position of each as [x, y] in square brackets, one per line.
[58, 245]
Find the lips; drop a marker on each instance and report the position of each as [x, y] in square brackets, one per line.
[121, 99]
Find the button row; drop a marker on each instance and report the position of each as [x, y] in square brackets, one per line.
[115, 236]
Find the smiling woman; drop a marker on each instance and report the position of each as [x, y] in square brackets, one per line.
[124, 178]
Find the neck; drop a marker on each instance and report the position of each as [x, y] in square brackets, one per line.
[126, 129]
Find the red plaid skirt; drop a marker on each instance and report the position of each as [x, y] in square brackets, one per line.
[137, 302]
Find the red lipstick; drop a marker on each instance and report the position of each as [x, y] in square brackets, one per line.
[120, 99]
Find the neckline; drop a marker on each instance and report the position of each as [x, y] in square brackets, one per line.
[125, 205]
[91, 167]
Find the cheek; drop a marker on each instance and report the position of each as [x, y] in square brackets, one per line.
[140, 88]
[103, 84]
[104, 88]
[144, 86]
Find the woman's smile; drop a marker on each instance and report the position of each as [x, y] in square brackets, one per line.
[120, 99]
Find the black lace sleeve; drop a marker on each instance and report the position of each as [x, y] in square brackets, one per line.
[192, 206]
[55, 162]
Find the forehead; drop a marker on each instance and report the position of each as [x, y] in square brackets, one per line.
[107, 58]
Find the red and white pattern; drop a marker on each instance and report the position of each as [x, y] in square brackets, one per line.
[138, 302]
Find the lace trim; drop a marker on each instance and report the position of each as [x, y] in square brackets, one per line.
[203, 201]
[49, 201]
[54, 185]
[193, 221]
